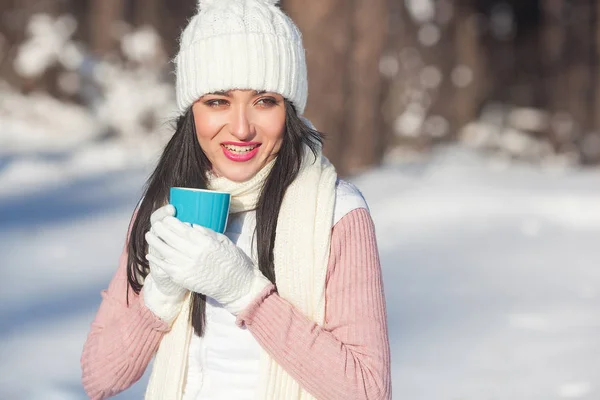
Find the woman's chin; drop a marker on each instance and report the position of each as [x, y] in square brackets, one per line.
[239, 171]
[238, 176]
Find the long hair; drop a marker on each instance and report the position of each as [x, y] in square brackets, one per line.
[183, 163]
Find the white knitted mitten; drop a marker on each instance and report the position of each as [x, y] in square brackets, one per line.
[161, 295]
[206, 262]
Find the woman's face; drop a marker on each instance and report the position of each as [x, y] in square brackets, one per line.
[240, 131]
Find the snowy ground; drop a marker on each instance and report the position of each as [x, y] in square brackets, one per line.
[491, 274]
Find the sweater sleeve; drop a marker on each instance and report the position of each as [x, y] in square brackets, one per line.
[349, 356]
[122, 339]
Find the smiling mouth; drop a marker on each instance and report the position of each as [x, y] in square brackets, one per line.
[240, 149]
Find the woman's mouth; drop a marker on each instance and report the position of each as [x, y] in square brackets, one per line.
[240, 152]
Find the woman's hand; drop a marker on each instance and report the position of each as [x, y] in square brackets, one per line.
[161, 295]
[206, 262]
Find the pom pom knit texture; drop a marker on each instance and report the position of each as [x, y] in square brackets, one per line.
[241, 44]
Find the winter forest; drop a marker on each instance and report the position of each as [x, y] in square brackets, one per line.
[472, 127]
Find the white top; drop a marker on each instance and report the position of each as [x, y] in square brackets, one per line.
[224, 364]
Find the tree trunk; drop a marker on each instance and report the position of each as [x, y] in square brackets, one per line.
[344, 42]
[326, 29]
[553, 61]
[104, 14]
[402, 38]
[443, 57]
[469, 60]
[579, 37]
[364, 129]
[594, 66]
[148, 12]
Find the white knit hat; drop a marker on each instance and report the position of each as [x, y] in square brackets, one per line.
[241, 44]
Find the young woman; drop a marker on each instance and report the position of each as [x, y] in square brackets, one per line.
[288, 303]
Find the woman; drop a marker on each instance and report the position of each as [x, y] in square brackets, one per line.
[288, 303]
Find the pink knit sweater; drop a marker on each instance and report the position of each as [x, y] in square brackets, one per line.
[347, 358]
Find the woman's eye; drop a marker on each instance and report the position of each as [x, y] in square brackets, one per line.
[267, 102]
[216, 103]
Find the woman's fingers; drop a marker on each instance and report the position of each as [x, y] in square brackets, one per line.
[181, 228]
[205, 232]
[165, 211]
[174, 233]
[164, 267]
[161, 248]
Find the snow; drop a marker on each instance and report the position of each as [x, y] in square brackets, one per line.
[39, 122]
[420, 10]
[141, 45]
[47, 39]
[490, 270]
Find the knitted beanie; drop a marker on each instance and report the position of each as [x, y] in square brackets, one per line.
[241, 44]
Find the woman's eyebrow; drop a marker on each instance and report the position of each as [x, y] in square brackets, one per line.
[228, 93]
[221, 93]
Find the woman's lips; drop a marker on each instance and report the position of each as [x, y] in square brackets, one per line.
[232, 151]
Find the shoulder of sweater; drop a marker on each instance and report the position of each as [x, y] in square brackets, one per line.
[347, 199]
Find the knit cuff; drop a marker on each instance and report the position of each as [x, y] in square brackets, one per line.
[145, 316]
[258, 284]
[161, 305]
[248, 313]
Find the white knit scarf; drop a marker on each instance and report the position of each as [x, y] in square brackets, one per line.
[300, 256]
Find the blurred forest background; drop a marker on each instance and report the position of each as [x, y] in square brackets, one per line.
[388, 78]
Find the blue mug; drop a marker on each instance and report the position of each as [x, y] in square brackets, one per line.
[203, 207]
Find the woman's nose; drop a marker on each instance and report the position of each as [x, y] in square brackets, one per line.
[240, 125]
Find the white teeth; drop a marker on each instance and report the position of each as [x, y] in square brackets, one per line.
[240, 149]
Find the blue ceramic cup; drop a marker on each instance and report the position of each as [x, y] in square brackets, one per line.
[207, 208]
